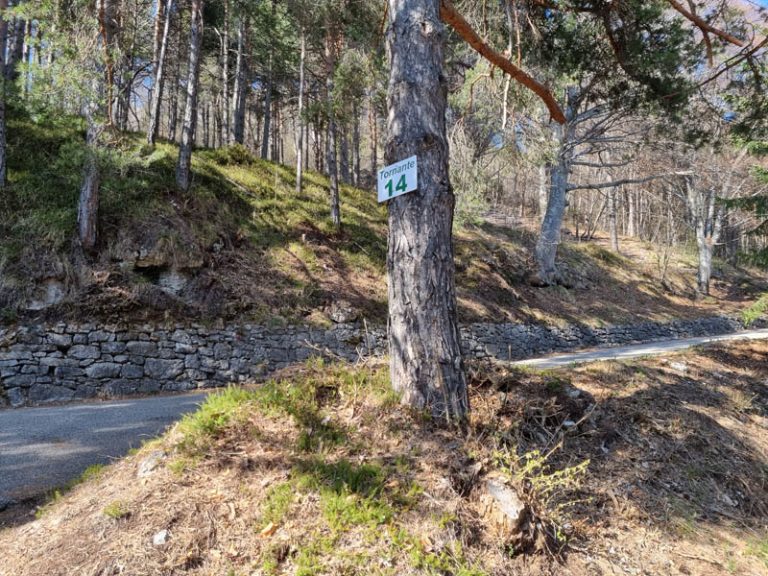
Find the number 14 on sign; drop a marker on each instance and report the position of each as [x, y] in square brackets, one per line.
[398, 179]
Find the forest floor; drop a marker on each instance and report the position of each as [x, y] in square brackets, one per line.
[645, 467]
[243, 245]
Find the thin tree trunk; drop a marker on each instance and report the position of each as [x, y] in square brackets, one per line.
[3, 138]
[154, 118]
[238, 112]
[184, 166]
[612, 220]
[300, 113]
[356, 146]
[426, 364]
[88, 203]
[225, 134]
[344, 153]
[107, 30]
[373, 128]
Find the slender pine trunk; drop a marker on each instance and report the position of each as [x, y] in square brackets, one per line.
[238, 111]
[157, 98]
[184, 166]
[300, 112]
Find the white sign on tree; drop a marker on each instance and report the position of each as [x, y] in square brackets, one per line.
[398, 179]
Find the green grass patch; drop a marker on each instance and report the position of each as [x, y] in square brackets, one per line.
[276, 503]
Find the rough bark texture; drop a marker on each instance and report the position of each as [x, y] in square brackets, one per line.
[557, 199]
[425, 351]
[157, 92]
[88, 203]
[184, 167]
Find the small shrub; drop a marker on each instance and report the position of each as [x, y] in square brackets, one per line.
[116, 510]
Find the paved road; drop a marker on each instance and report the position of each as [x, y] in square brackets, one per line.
[636, 350]
[43, 448]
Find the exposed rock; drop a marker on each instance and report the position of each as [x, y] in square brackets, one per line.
[504, 510]
[173, 281]
[103, 370]
[50, 293]
[83, 352]
[163, 369]
[161, 538]
[151, 463]
[342, 312]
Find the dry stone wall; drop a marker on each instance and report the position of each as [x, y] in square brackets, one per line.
[57, 363]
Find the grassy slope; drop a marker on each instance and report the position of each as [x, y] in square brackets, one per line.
[653, 467]
[271, 255]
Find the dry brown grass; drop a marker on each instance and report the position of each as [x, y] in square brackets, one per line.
[325, 474]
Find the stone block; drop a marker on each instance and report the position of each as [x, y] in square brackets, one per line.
[163, 369]
[103, 370]
[142, 348]
[132, 371]
[83, 352]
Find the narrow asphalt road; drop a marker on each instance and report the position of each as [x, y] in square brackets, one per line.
[44, 448]
[636, 350]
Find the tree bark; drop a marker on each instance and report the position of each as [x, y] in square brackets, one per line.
[157, 92]
[612, 220]
[225, 133]
[557, 199]
[330, 150]
[426, 363]
[373, 129]
[3, 137]
[88, 203]
[300, 113]
[184, 166]
[356, 146]
[241, 85]
[344, 150]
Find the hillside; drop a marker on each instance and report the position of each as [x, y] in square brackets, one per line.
[242, 245]
[642, 467]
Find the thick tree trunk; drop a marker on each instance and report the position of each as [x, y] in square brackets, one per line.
[157, 88]
[184, 166]
[704, 273]
[300, 113]
[426, 363]
[238, 112]
[557, 198]
[549, 235]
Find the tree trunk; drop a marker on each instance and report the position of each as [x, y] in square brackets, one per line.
[557, 198]
[344, 150]
[612, 220]
[157, 98]
[374, 134]
[330, 150]
[300, 119]
[108, 31]
[3, 138]
[238, 113]
[544, 175]
[225, 134]
[184, 166]
[549, 236]
[356, 146]
[88, 203]
[426, 363]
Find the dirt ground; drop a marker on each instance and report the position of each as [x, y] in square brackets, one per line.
[648, 467]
